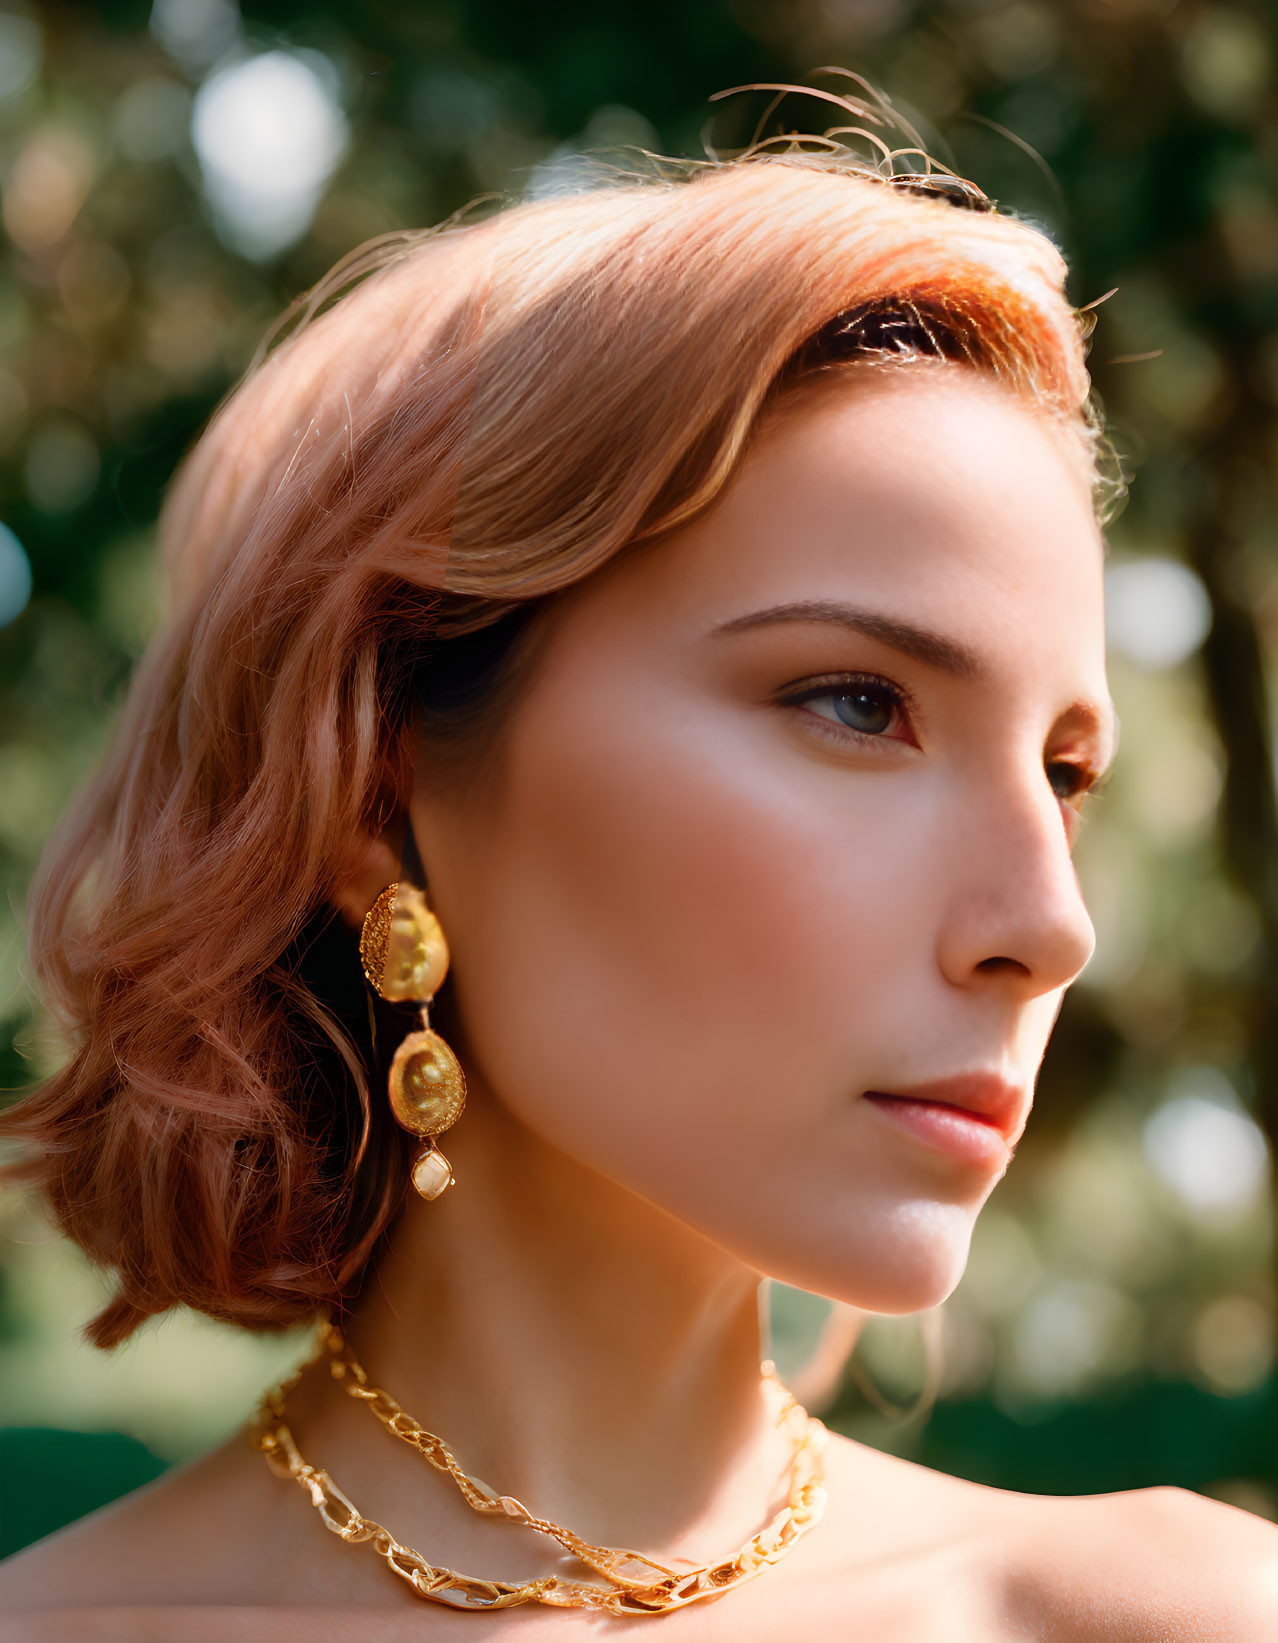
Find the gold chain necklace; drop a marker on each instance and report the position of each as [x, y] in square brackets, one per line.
[636, 1584]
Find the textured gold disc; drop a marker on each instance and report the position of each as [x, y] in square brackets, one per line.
[402, 946]
[426, 1085]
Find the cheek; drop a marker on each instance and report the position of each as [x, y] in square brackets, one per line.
[694, 928]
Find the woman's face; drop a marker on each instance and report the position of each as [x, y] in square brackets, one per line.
[783, 818]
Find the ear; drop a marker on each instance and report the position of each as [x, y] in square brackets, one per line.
[379, 865]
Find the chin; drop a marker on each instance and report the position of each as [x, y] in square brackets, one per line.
[895, 1268]
[912, 1289]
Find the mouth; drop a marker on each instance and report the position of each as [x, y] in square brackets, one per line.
[976, 1117]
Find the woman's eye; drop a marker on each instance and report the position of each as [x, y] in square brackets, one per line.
[868, 706]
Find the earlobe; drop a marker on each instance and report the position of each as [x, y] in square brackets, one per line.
[379, 864]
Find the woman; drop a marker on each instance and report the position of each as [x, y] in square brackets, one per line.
[689, 593]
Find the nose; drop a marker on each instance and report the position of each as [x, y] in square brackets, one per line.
[1016, 909]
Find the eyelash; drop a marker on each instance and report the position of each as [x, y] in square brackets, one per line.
[1088, 783]
[849, 684]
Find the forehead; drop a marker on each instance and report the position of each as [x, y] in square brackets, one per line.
[927, 492]
[927, 471]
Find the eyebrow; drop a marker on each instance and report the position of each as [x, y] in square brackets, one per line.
[935, 650]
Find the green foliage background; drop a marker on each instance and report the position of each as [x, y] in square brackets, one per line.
[1116, 1324]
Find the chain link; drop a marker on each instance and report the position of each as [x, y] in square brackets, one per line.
[638, 1584]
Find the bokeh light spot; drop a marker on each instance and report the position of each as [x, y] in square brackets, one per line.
[1157, 611]
[1232, 1343]
[151, 120]
[21, 54]
[1206, 1148]
[1069, 1330]
[15, 577]
[268, 133]
[46, 187]
[61, 467]
[195, 32]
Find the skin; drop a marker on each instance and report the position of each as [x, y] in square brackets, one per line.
[697, 909]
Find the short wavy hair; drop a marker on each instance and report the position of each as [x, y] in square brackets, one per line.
[455, 426]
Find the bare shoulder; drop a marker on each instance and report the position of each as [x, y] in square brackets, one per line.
[202, 1554]
[212, 1623]
[1160, 1565]
[150, 1546]
[914, 1554]
[952, 1559]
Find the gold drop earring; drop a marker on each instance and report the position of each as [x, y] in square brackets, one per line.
[405, 958]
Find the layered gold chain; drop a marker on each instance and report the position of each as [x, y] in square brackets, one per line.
[637, 1585]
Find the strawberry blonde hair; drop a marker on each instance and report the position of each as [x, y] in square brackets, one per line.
[458, 425]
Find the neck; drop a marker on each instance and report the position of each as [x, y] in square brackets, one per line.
[575, 1347]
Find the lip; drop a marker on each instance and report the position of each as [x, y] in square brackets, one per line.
[976, 1116]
